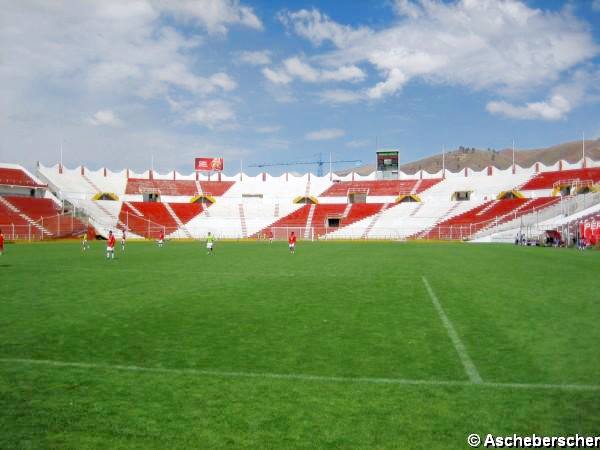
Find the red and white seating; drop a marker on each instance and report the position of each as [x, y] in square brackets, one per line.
[247, 206]
[15, 176]
[380, 188]
[491, 213]
[547, 180]
[186, 188]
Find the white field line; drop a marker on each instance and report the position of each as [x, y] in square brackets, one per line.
[470, 368]
[292, 376]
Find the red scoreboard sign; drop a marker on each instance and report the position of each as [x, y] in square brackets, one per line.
[208, 164]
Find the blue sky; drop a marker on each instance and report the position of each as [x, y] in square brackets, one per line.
[121, 83]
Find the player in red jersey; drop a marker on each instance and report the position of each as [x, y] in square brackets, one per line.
[161, 238]
[292, 243]
[110, 246]
[1, 243]
[270, 236]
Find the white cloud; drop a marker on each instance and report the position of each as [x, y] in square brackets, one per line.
[276, 76]
[344, 73]
[295, 68]
[581, 87]
[325, 134]
[178, 75]
[105, 117]
[121, 48]
[257, 58]
[338, 96]
[299, 69]
[502, 46]
[212, 114]
[317, 28]
[407, 8]
[63, 62]
[553, 109]
[215, 15]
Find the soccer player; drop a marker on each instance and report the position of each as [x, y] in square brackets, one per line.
[270, 236]
[210, 241]
[1, 243]
[161, 238]
[123, 239]
[110, 246]
[84, 242]
[292, 243]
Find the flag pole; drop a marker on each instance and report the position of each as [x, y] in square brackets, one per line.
[513, 157]
[443, 161]
[583, 147]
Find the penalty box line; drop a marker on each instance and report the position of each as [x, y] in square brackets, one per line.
[292, 376]
[466, 360]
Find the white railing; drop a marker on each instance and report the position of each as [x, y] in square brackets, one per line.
[49, 227]
[565, 207]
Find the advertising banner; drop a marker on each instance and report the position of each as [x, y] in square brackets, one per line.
[208, 164]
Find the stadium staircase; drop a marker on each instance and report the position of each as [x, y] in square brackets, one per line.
[416, 210]
[374, 220]
[416, 187]
[177, 220]
[114, 219]
[427, 232]
[483, 211]
[187, 211]
[243, 221]
[347, 210]
[309, 219]
[134, 209]
[91, 183]
[307, 190]
[26, 218]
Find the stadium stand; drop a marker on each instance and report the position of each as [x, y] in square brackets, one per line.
[242, 206]
[187, 188]
[28, 210]
[380, 188]
[13, 176]
[463, 226]
[147, 219]
[547, 180]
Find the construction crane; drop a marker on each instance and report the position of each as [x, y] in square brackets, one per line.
[320, 162]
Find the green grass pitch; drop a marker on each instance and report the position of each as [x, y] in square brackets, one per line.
[338, 346]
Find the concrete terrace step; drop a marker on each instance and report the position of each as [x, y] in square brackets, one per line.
[177, 220]
[243, 221]
[374, 220]
[24, 216]
[309, 219]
